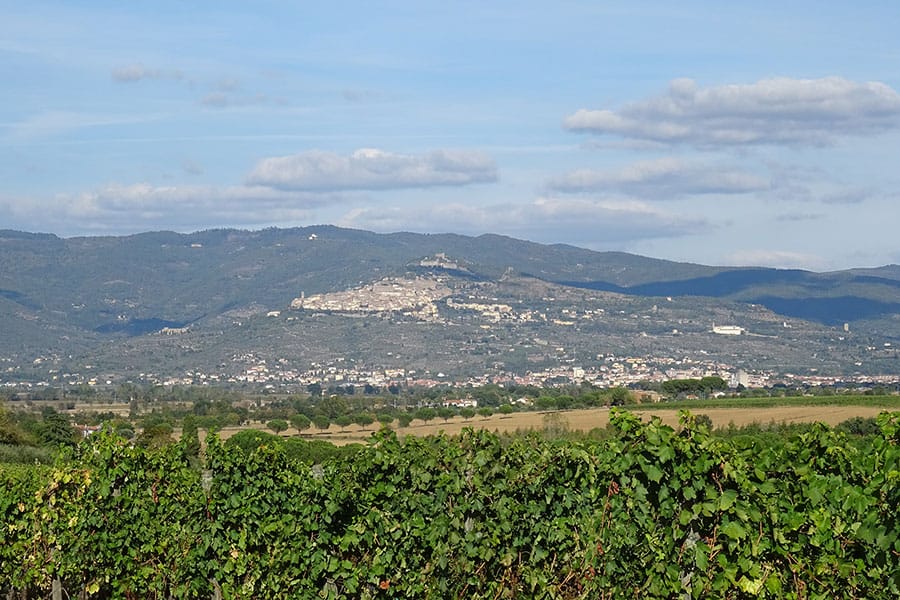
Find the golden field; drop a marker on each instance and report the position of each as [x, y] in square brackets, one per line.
[587, 419]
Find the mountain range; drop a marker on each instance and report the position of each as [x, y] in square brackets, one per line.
[72, 301]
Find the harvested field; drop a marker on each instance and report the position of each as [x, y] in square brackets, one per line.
[587, 419]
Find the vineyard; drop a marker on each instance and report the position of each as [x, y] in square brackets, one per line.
[651, 512]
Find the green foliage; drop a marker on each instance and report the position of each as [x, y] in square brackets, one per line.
[305, 451]
[55, 429]
[704, 421]
[859, 426]
[190, 437]
[10, 432]
[321, 422]
[155, 436]
[363, 419]
[645, 512]
[446, 413]
[765, 401]
[249, 440]
[619, 396]
[26, 455]
[300, 422]
[703, 386]
[277, 425]
[426, 414]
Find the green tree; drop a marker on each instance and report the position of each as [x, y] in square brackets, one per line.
[712, 384]
[343, 421]
[545, 402]
[704, 421]
[190, 437]
[385, 419]
[250, 439]
[467, 413]
[506, 409]
[321, 422]
[485, 411]
[10, 432]
[619, 396]
[404, 419]
[155, 436]
[334, 406]
[859, 426]
[680, 387]
[564, 402]
[446, 413]
[277, 425]
[426, 414]
[363, 419]
[55, 429]
[300, 422]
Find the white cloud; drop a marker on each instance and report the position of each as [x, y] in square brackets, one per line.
[661, 178]
[373, 169]
[617, 220]
[771, 111]
[579, 221]
[139, 207]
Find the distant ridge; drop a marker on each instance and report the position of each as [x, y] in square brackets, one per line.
[230, 266]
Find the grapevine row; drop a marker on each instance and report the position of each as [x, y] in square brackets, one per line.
[652, 512]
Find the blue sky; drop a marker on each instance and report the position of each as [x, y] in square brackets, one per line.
[722, 133]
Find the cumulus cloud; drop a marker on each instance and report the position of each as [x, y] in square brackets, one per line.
[587, 222]
[139, 207]
[373, 169]
[661, 178]
[772, 111]
[135, 72]
[617, 220]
